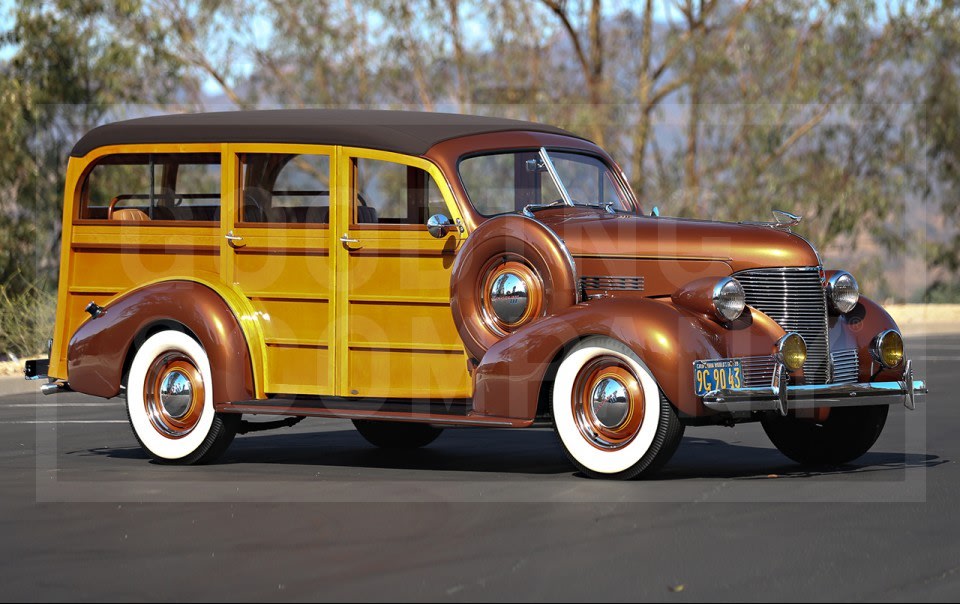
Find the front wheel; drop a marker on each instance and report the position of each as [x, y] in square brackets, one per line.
[846, 434]
[609, 414]
[170, 401]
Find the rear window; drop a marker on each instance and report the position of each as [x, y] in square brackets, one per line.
[171, 187]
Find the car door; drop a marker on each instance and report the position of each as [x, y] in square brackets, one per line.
[277, 255]
[393, 280]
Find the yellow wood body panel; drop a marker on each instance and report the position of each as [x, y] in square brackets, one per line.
[319, 318]
[393, 289]
[299, 370]
[98, 262]
[287, 275]
[408, 373]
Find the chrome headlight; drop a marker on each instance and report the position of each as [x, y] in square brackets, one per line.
[729, 299]
[887, 348]
[843, 292]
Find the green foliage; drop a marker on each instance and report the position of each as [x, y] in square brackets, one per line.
[26, 318]
[72, 63]
[939, 115]
[941, 293]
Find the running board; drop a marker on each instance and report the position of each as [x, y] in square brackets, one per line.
[455, 413]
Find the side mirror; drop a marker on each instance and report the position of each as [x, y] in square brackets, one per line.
[438, 225]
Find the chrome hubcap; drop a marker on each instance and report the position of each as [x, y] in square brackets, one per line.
[173, 394]
[509, 298]
[611, 402]
[176, 394]
[510, 294]
[608, 403]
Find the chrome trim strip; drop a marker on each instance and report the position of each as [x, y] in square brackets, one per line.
[818, 395]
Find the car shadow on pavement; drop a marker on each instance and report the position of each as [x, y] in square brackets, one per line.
[713, 458]
[531, 452]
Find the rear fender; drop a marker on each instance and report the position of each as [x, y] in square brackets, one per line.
[99, 348]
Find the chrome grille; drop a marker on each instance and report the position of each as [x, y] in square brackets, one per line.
[758, 371]
[846, 366]
[611, 283]
[794, 298]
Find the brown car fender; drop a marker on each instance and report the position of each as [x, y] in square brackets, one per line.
[101, 346]
[668, 338]
[857, 329]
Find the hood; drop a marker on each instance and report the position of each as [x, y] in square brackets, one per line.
[590, 233]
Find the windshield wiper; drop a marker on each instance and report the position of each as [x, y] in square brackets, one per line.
[530, 208]
[552, 170]
[546, 163]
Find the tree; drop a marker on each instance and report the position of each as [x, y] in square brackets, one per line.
[939, 119]
[73, 62]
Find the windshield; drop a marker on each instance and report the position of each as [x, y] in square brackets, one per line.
[501, 183]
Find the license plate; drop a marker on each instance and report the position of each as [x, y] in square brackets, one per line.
[716, 375]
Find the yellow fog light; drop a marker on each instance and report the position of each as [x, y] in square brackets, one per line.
[887, 348]
[792, 351]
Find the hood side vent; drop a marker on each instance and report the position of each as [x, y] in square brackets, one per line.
[595, 285]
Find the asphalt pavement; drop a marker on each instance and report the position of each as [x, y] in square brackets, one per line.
[313, 512]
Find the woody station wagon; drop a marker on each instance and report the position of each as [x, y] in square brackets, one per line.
[416, 271]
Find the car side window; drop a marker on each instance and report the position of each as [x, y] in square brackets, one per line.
[283, 188]
[153, 187]
[390, 193]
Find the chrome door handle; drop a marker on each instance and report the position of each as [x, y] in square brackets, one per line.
[233, 239]
[349, 242]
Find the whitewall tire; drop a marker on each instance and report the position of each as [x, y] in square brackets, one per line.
[609, 414]
[170, 401]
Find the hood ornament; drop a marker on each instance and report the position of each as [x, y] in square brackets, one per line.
[783, 221]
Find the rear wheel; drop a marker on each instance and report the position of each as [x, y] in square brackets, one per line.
[846, 434]
[609, 414]
[396, 435]
[170, 402]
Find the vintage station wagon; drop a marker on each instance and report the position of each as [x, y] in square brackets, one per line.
[415, 271]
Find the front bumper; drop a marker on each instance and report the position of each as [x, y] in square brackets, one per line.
[780, 396]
